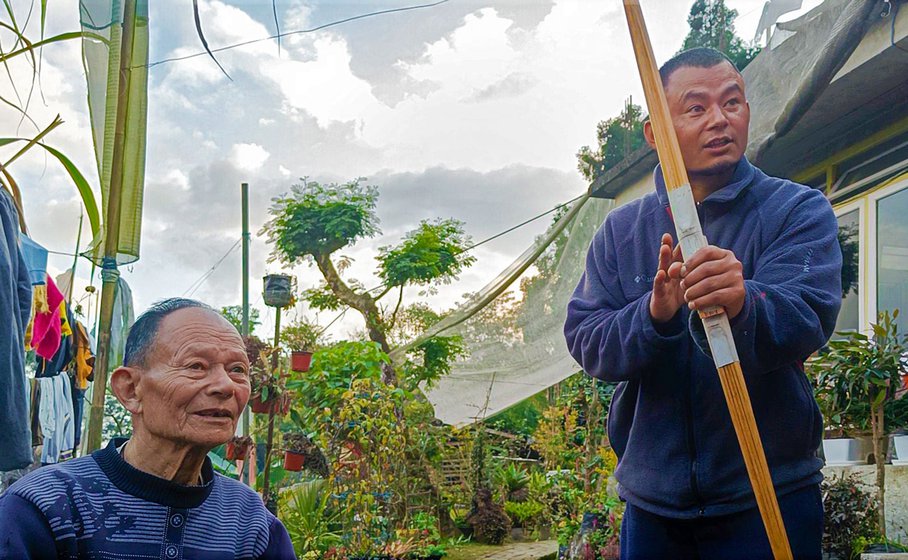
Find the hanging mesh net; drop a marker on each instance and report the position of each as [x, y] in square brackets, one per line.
[513, 328]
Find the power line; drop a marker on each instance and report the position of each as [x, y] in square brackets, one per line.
[297, 32]
[521, 224]
[204, 278]
[470, 248]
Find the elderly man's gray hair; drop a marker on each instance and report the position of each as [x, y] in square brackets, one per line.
[144, 331]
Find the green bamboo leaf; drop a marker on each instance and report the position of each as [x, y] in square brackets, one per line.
[33, 46]
[88, 196]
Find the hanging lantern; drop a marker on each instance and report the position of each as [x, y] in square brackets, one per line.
[278, 290]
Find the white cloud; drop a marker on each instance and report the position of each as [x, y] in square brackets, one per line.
[248, 156]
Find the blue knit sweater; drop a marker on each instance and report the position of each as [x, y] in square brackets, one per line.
[668, 422]
[101, 507]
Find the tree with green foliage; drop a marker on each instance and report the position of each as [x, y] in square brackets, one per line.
[234, 314]
[313, 222]
[617, 138]
[712, 24]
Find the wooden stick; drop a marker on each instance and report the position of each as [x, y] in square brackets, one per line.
[715, 321]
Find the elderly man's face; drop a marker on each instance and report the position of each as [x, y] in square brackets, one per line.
[711, 116]
[196, 380]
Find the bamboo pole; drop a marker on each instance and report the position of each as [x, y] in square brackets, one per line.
[109, 272]
[715, 321]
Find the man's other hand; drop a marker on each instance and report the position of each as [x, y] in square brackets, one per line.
[713, 276]
[668, 295]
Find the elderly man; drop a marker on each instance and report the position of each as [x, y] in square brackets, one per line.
[185, 380]
[775, 267]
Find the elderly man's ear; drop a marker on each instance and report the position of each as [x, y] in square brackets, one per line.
[124, 383]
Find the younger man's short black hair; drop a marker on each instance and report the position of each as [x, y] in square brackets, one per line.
[699, 57]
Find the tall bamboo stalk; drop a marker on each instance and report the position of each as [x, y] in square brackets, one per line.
[109, 272]
[715, 321]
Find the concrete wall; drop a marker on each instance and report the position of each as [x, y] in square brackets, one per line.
[896, 494]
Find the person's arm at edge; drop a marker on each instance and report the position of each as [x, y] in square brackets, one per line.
[24, 531]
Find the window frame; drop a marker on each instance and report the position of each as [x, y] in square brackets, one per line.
[872, 247]
[860, 205]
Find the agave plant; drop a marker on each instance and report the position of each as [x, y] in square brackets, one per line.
[306, 511]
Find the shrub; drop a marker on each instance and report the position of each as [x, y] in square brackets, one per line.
[850, 514]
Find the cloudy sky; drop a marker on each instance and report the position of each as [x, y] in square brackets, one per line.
[472, 109]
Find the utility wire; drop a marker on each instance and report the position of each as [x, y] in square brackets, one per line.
[471, 247]
[204, 278]
[297, 32]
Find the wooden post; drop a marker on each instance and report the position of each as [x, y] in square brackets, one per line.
[272, 404]
[109, 272]
[715, 321]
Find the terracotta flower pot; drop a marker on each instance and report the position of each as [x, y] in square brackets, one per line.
[258, 406]
[293, 461]
[300, 360]
[237, 452]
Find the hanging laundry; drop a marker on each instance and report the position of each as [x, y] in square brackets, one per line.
[83, 357]
[46, 326]
[15, 310]
[35, 260]
[55, 413]
[123, 318]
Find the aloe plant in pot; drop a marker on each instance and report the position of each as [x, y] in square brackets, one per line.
[865, 373]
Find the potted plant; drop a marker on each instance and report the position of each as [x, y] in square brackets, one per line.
[849, 515]
[864, 373]
[294, 451]
[300, 451]
[278, 290]
[267, 390]
[300, 360]
[238, 448]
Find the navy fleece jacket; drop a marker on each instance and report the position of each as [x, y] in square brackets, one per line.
[668, 421]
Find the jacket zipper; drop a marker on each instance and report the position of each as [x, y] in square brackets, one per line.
[692, 445]
[691, 442]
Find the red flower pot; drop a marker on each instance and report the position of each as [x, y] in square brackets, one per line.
[236, 452]
[293, 461]
[260, 407]
[300, 360]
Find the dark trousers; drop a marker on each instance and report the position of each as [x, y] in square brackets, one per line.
[739, 536]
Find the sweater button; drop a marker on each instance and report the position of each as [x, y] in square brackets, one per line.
[176, 520]
[171, 551]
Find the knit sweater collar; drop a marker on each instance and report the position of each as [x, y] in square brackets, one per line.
[149, 487]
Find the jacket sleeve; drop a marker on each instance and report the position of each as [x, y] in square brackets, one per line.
[610, 337]
[793, 299]
[279, 545]
[24, 532]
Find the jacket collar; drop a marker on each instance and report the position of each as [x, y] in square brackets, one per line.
[742, 178]
[149, 487]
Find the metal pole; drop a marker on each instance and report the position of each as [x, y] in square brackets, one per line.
[244, 191]
[244, 188]
[109, 272]
[275, 356]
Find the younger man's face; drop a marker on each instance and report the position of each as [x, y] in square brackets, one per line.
[711, 117]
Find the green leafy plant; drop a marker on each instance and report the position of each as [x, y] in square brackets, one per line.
[310, 520]
[858, 371]
[513, 482]
[850, 514]
[524, 514]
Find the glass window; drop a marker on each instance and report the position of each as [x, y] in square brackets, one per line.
[849, 232]
[892, 256]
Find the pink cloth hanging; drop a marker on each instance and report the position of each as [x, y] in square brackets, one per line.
[46, 329]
